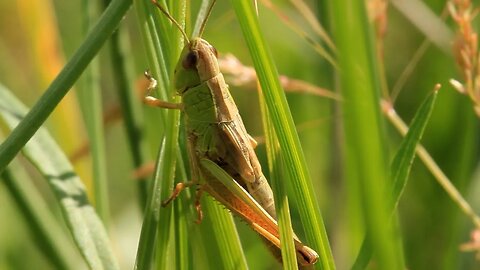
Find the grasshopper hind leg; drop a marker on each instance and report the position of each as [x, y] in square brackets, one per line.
[198, 194]
[198, 206]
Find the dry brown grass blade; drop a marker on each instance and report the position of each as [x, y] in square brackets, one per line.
[240, 75]
[297, 29]
[314, 23]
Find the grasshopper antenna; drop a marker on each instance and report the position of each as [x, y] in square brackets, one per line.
[164, 11]
[209, 11]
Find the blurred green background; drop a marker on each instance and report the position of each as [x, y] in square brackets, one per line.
[38, 37]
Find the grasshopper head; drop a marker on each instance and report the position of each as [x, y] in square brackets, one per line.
[197, 64]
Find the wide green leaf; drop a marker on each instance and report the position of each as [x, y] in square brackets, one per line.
[46, 231]
[42, 151]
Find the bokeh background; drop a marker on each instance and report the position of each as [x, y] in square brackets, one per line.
[38, 37]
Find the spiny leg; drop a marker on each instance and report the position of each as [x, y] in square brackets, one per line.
[181, 186]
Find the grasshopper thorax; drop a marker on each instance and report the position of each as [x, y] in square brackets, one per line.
[198, 63]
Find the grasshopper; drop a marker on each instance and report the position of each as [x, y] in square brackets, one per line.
[221, 153]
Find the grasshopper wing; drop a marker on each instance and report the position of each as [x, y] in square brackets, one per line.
[239, 155]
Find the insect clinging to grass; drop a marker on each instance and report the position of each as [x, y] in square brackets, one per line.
[222, 158]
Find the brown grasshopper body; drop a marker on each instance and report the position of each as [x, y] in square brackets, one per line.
[216, 133]
[214, 127]
[221, 153]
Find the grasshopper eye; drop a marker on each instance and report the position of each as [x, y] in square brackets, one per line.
[190, 61]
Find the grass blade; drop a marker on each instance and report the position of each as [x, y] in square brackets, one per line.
[400, 168]
[225, 237]
[289, 258]
[402, 163]
[285, 129]
[154, 217]
[91, 103]
[84, 224]
[107, 23]
[366, 166]
[121, 64]
[201, 17]
[155, 239]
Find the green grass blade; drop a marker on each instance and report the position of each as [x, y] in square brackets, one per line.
[85, 226]
[91, 103]
[201, 17]
[156, 235]
[225, 237]
[183, 225]
[155, 217]
[400, 168]
[181, 237]
[121, 64]
[165, 176]
[107, 23]
[366, 164]
[289, 258]
[402, 163]
[285, 129]
[156, 45]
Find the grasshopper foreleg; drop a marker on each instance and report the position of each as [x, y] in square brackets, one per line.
[155, 102]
